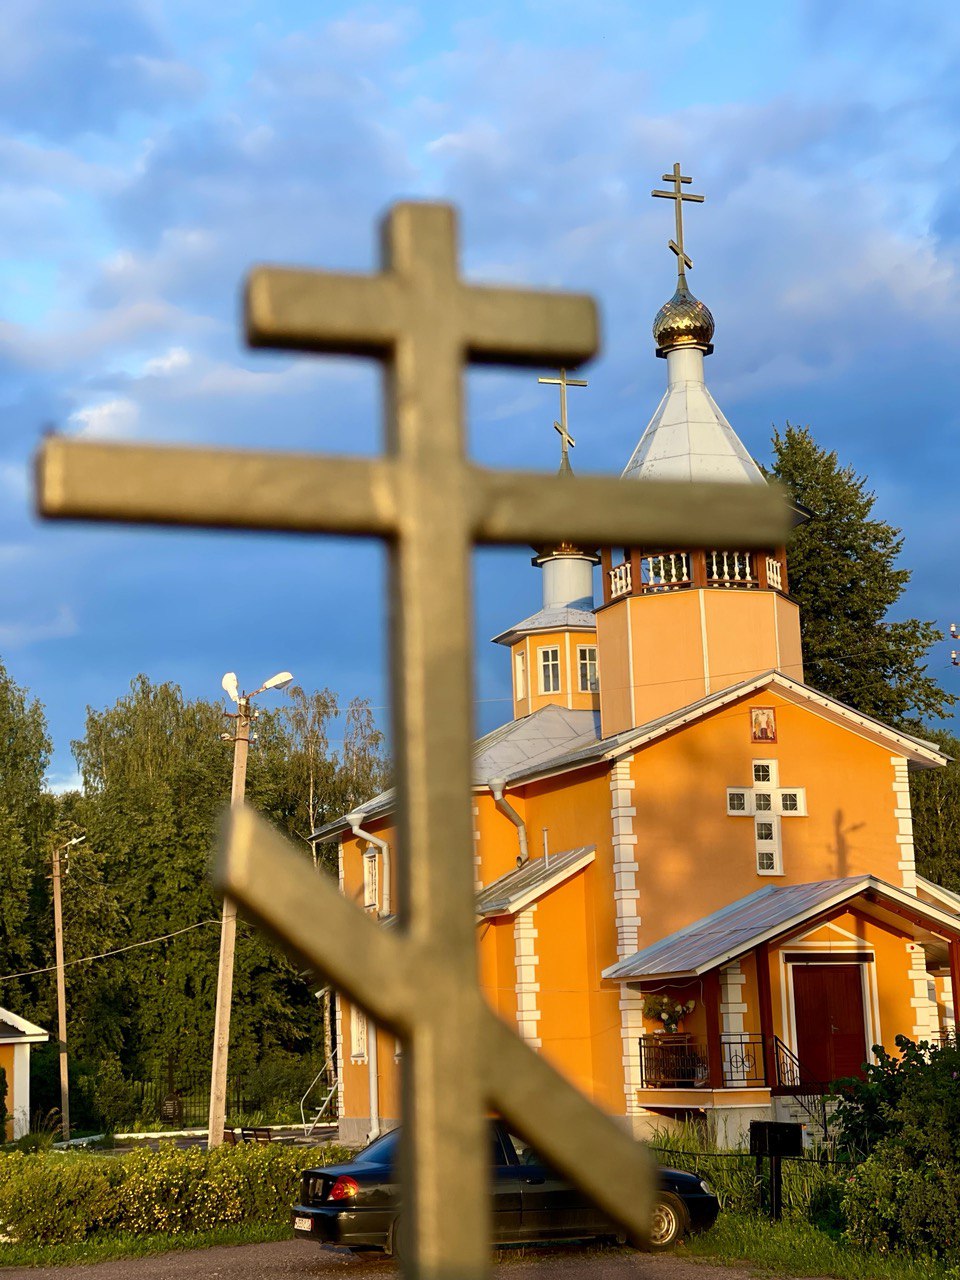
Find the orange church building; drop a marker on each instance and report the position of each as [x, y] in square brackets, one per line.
[695, 881]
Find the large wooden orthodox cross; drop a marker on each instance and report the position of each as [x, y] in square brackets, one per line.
[424, 323]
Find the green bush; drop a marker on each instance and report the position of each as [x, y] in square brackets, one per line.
[893, 1205]
[906, 1195]
[111, 1097]
[60, 1197]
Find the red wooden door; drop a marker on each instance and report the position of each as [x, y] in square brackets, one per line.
[831, 1037]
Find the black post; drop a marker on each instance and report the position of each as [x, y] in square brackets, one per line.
[776, 1189]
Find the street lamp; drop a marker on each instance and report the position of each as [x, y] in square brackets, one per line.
[228, 927]
[62, 988]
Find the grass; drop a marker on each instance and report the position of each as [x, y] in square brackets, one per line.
[107, 1248]
[798, 1249]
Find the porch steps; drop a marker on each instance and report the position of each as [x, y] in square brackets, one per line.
[791, 1110]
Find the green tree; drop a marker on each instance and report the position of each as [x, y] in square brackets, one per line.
[844, 575]
[935, 799]
[26, 814]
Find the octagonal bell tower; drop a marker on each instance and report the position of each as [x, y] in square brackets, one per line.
[675, 626]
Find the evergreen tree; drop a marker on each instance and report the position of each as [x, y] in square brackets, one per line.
[843, 573]
[935, 799]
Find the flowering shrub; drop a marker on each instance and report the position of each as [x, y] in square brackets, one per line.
[667, 1010]
[55, 1197]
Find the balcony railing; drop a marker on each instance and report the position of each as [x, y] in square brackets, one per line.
[665, 571]
[655, 572]
[621, 580]
[676, 1060]
[731, 569]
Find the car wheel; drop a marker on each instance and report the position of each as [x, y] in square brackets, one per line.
[670, 1222]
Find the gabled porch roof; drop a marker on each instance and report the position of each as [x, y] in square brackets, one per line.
[771, 913]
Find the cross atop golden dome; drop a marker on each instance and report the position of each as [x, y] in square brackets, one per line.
[684, 321]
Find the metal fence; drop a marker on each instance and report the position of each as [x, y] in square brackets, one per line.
[182, 1101]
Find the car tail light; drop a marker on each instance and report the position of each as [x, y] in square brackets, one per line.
[344, 1188]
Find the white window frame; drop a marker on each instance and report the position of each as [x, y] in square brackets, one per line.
[774, 845]
[801, 810]
[747, 809]
[542, 652]
[520, 676]
[358, 1035]
[591, 686]
[371, 879]
[774, 780]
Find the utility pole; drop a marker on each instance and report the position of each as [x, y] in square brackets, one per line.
[62, 989]
[228, 927]
[228, 943]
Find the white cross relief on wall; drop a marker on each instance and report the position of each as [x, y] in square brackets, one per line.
[766, 803]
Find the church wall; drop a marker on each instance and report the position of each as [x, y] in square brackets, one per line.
[497, 966]
[668, 656]
[580, 1024]
[788, 634]
[569, 694]
[616, 712]
[747, 634]
[693, 858]
[6, 1063]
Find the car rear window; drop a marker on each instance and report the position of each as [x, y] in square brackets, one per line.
[382, 1150]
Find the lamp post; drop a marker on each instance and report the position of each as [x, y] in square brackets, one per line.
[228, 927]
[62, 988]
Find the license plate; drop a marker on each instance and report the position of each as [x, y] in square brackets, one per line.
[303, 1224]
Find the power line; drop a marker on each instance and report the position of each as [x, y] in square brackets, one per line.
[131, 946]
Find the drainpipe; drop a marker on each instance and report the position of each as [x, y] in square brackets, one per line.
[497, 786]
[358, 831]
[373, 1077]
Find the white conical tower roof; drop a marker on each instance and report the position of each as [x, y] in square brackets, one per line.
[688, 437]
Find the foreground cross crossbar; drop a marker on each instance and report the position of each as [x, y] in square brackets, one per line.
[432, 505]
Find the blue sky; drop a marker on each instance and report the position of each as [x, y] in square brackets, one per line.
[151, 152]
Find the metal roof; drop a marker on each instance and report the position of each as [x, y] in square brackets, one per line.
[13, 1027]
[555, 618]
[537, 876]
[717, 939]
[688, 438]
[510, 751]
[556, 739]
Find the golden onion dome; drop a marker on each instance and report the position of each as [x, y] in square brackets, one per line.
[684, 321]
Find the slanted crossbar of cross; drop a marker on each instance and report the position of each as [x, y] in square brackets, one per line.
[432, 505]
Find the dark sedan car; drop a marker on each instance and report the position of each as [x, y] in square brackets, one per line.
[357, 1204]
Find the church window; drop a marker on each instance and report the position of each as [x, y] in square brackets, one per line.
[520, 668]
[763, 801]
[793, 802]
[762, 771]
[766, 860]
[358, 1034]
[587, 661]
[371, 880]
[764, 830]
[549, 670]
[737, 801]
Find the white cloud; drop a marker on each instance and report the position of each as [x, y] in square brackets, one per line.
[60, 783]
[161, 366]
[108, 421]
[19, 634]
